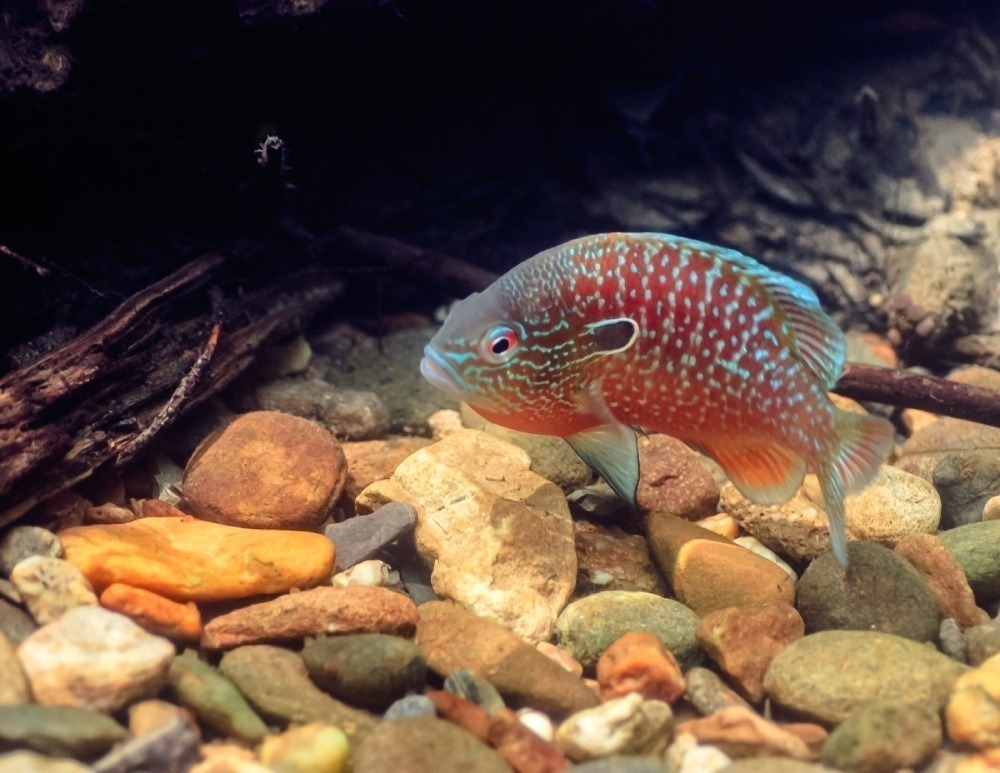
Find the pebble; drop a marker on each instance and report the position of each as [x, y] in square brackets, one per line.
[880, 592]
[609, 558]
[673, 481]
[349, 414]
[944, 577]
[213, 699]
[9, 592]
[444, 422]
[157, 614]
[266, 470]
[629, 764]
[167, 556]
[372, 460]
[588, 626]
[991, 510]
[686, 755]
[754, 545]
[966, 480]
[370, 670]
[952, 640]
[109, 513]
[21, 542]
[354, 609]
[276, 684]
[722, 524]
[50, 587]
[13, 683]
[627, 725]
[409, 706]
[467, 715]
[426, 745]
[451, 637]
[474, 688]
[538, 723]
[740, 732]
[827, 676]
[744, 640]
[96, 659]
[171, 747]
[709, 572]
[150, 714]
[221, 757]
[560, 656]
[312, 748]
[976, 547]
[30, 762]
[884, 737]
[766, 764]
[973, 712]
[15, 624]
[372, 573]
[523, 749]
[638, 662]
[361, 537]
[708, 693]
[59, 731]
[982, 641]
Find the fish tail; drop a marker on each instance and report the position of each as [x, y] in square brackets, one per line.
[859, 445]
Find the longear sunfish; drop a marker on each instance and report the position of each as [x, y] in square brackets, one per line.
[610, 333]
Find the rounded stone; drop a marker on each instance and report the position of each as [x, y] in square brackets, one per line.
[349, 414]
[976, 547]
[266, 470]
[371, 670]
[51, 586]
[312, 748]
[426, 745]
[20, 542]
[588, 626]
[880, 591]
[471, 686]
[13, 684]
[58, 730]
[410, 706]
[626, 725]
[673, 480]
[973, 713]
[884, 737]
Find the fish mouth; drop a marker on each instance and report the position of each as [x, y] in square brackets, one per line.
[440, 374]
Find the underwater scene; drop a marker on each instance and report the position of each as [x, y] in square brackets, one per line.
[608, 386]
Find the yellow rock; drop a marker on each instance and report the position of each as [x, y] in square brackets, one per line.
[973, 713]
[187, 559]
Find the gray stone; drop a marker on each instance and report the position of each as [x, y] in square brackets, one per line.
[471, 686]
[952, 640]
[349, 414]
[58, 730]
[976, 547]
[361, 537]
[982, 641]
[880, 591]
[13, 683]
[426, 745]
[15, 623]
[708, 693]
[410, 706]
[588, 626]
[20, 542]
[884, 737]
[51, 587]
[966, 480]
[827, 676]
[370, 670]
[171, 747]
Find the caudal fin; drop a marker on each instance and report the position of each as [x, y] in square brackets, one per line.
[861, 443]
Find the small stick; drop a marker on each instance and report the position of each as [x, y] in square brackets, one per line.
[25, 262]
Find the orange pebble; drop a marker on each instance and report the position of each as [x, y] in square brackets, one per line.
[154, 612]
[638, 662]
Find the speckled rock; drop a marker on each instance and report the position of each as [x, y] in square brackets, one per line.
[21, 542]
[973, 713]
[354, 609]
[312, 748]
[829, 675]
[362, 536]
[450, 638]
[880, 592]
[976, 547]
[372, 460]
[709, 572]
[588, 626]
[944, 577]
[266, 470]
[982, 641]
[708, 693]
[370, 670]
[744, 640]
[638, 662]
[167, 556]
[627, 725]
[884, 737]
[500, 538]
[966, 480]
[895, 503]
[673, 481]
[58, 730]
[609, 558]
[92, 658]
[741, 732]
[51, 586]
[13, 683]
[276, 684]
[426, 745]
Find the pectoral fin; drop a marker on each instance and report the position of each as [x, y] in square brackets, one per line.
[611, 451]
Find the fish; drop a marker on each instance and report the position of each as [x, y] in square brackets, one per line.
[613, 334]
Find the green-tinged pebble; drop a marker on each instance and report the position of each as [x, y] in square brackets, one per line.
[214, 699]
[313, 748]
[829, 675]
[976, 547]
[883, 737]
[58, 730]
[426, 745]
[369, 669]
[587, 627]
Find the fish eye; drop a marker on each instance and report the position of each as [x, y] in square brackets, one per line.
[499, 344]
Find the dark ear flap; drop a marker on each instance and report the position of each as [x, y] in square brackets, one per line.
[614, 335]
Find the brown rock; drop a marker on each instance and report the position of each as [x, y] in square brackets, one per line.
[560, 656]
[722, 524]
[673, 481]
[469, 716]
[709, 572]
[155, 613]
[109, 513]
[186, 559]
[266, 470]
[450, 638]
[744, 640]
[609, 558]
[708, 693]
[525, 751]
[372, 460]
[973, 713]
[741, 732]
[13, 683]
[945, 577]
[638, 662]
[352, 609]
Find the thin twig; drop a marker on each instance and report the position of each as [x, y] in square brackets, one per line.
[25, 262]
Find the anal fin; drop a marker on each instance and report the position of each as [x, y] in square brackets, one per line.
[611, 451]
[764, 471]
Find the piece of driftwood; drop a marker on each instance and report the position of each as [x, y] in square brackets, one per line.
[92, 402]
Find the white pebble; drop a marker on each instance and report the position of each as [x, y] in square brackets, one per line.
[755, 546]
[538, 723]
[372, 573]
[627, 725]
